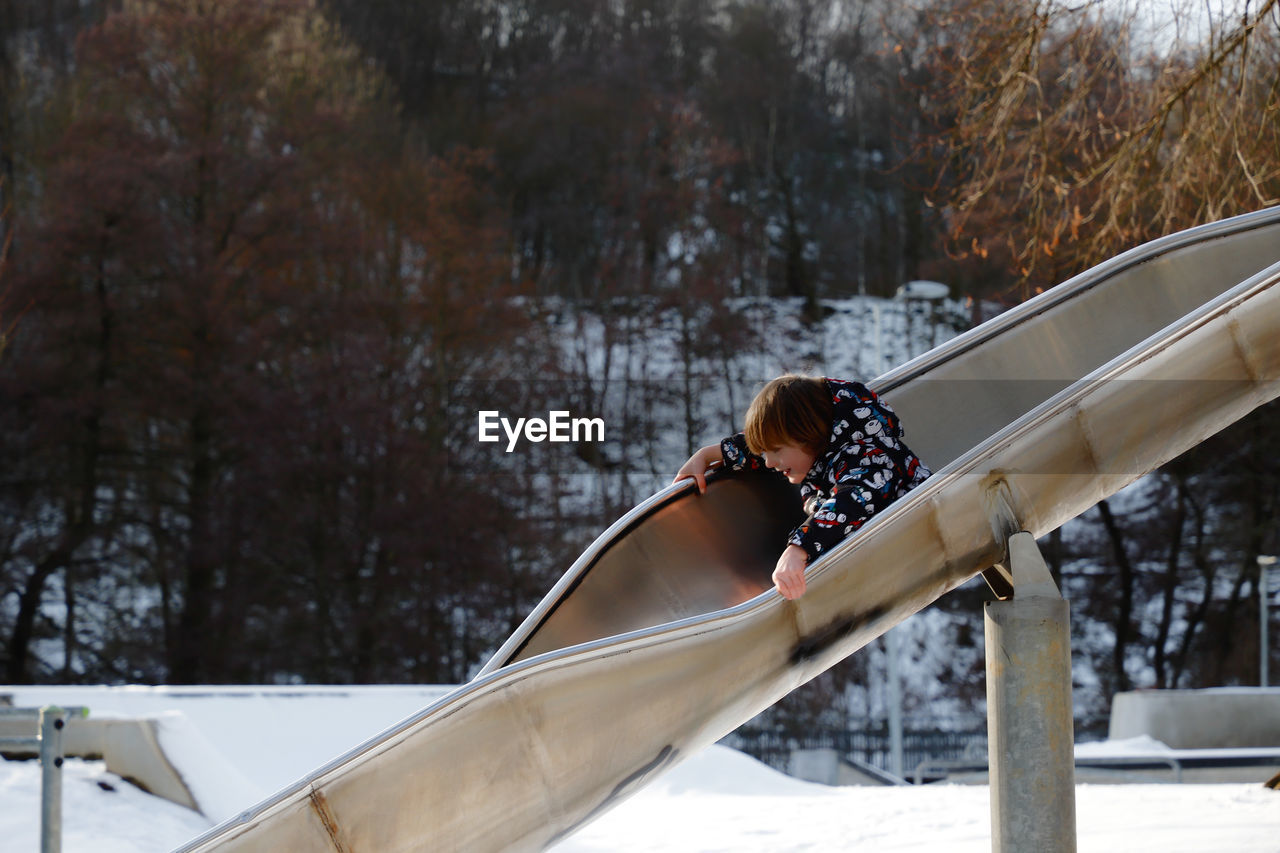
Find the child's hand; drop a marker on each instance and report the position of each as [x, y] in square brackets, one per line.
[788, 575]
[702, 459]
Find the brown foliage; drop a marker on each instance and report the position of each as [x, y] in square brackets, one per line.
[1064, 133]
[252, 301]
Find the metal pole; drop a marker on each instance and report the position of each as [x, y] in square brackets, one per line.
[932, 292]
[1029, 719]
[52, 721]
[1264, 651]
[893, 648]
[893, 697]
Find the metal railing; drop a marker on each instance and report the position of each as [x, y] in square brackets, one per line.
[871, 747]
[47, 743]
[1176, 761]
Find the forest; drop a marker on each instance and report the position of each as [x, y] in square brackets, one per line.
[265, 260]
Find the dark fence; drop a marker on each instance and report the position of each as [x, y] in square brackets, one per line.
[871, 747]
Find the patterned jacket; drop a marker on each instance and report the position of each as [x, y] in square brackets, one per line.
[864, 468]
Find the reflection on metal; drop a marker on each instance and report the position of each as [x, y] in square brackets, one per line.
[669, 559]
[1062, 400]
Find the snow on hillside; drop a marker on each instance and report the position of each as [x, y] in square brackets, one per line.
[238, 745]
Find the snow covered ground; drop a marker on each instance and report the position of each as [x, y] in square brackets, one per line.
[719, 800]
[101, 812]
[722, 800]
[725, 801]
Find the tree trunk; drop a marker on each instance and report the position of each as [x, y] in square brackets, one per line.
[193, 638]
[1170, 586]
[1124, 612]
[80, 506]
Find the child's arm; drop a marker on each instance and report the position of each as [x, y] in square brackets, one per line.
[860, 492]
[731, 453]
[702, 460]
[788, 574]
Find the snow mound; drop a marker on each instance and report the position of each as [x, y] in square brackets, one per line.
[218, 787]
[725, 771]
[1140, 745]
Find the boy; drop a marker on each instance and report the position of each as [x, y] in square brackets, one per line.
[833, 438]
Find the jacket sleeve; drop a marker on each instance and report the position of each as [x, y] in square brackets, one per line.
[737, 457]
[863, 488]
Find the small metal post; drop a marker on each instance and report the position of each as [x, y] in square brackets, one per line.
[47, 743]
[1264, 652]
[52, 721]
[1029, 720]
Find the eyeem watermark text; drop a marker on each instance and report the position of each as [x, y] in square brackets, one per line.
[559, 426]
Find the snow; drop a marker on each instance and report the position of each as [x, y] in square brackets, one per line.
[218, 786]
[724, 801]
[232, 743]
[1124, 748]
[1145, 746]
[271, 736]
[117, 819]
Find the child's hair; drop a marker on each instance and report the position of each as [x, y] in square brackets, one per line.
[792, 409]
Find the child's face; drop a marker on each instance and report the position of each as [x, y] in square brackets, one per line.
[792, 460]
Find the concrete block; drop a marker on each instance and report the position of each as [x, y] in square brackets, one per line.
[1218, 718]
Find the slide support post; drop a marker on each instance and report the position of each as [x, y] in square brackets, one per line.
[1029, 719]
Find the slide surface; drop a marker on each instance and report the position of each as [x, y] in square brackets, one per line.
[665, 635]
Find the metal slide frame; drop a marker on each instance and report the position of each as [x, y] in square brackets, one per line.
[632, 662]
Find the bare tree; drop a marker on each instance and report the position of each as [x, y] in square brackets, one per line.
[7, 321]
[1066, 132]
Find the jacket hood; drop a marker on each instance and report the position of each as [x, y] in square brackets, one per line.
[858, 414]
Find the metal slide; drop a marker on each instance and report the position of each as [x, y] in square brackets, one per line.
[664, 636]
